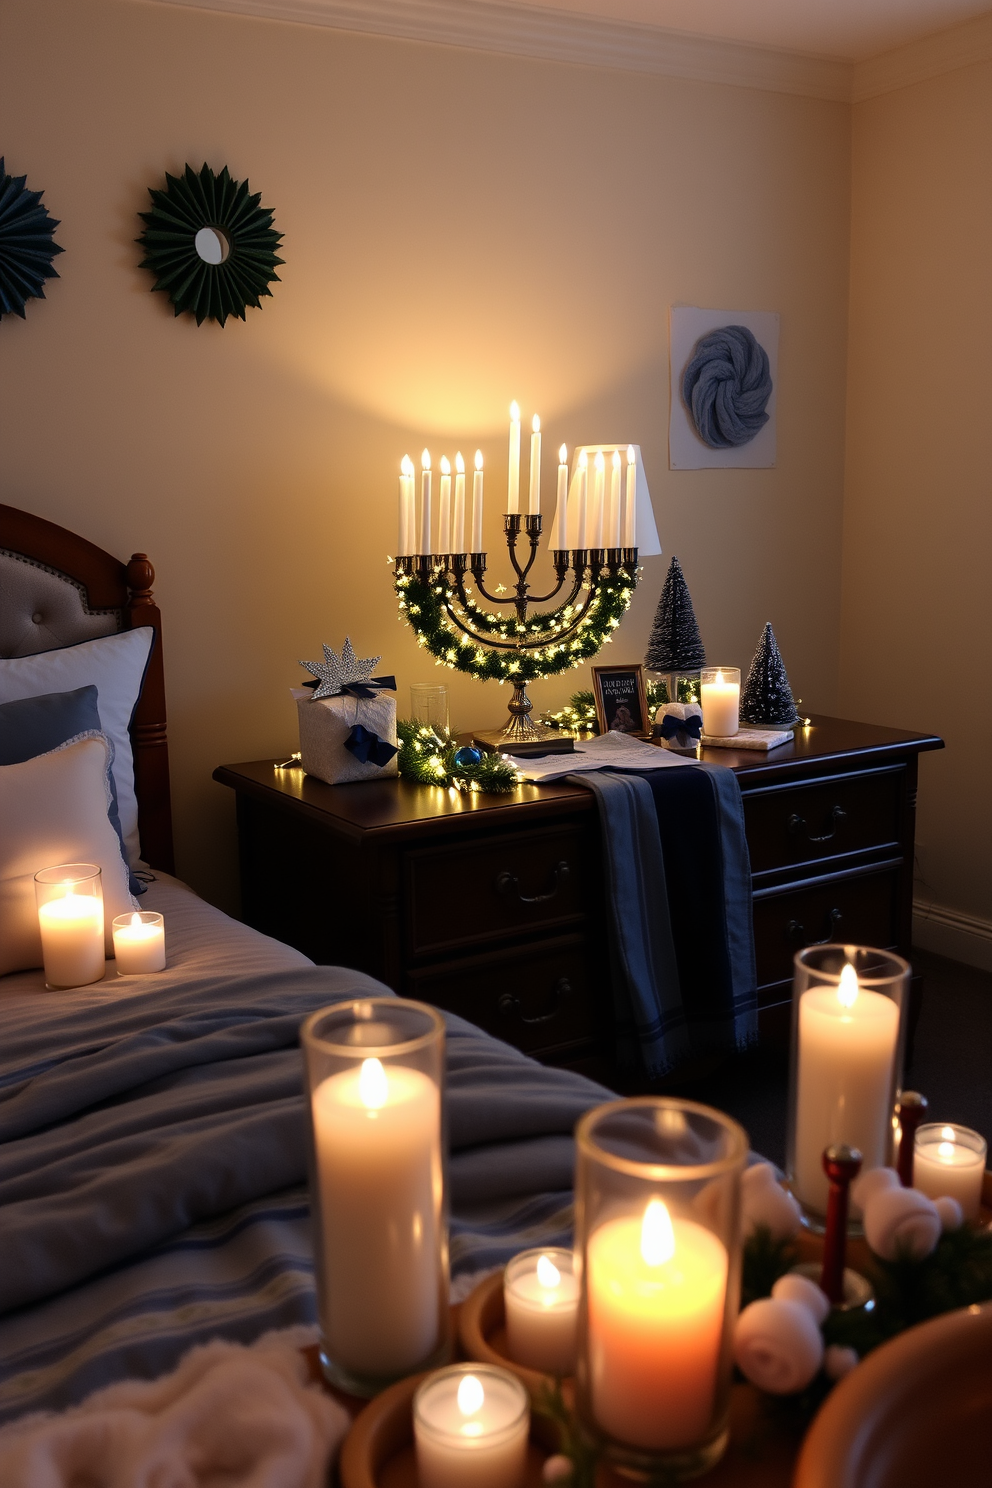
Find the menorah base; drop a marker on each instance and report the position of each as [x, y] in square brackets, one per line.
[540, 740]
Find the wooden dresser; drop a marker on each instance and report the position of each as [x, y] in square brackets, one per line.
[492, 906]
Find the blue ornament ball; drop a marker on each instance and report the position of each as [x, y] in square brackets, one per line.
[467, 756]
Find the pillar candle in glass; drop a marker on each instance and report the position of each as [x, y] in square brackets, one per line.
[139, 943]
[949, 1161]
[470, 1426]
[375, 1075]
[70, 918]
[657, 1219]
[720, 696]
[847, 1036]
[541, 1302]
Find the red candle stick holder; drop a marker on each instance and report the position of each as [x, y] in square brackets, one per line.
[911, 1109]
[842, 1165]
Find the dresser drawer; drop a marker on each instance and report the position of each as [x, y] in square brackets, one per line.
[488, 890]
[791, 825]
[540, 998]
[862, 909]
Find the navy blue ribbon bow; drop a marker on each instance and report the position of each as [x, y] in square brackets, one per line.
[361, 689]
[671, 726]
[366, 746]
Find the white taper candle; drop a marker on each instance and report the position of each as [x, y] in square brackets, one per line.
[458, 535]
[534, 492]
[513, 477]
[444, 508]
[559, 531]
[477, 504]
[629, 525]
[424, 545]
[408, 508]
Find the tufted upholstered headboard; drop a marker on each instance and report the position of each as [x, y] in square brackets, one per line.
[57, 589]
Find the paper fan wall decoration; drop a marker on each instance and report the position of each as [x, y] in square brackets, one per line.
[27, 244]
[210, 244]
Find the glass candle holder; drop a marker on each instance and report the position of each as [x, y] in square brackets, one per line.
[657, 1212]
[848, 1016]
[720, 699]
[70, 919]
[470, 1426]
[949, 1161]
[139, 943]
[429, 705]
[375, 1076]
[541, 1302]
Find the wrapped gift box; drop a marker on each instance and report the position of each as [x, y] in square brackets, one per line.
[325, 725]
[682, 742]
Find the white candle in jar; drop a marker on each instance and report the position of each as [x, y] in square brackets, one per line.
[477, 504]
[595, 528]
[424, 545]
[720, 700]
[949, 1162]
[471, 1428]
[408, 509]
[72, 945]
[656, 1292]
[139, 943]
[458, 525]
[541, 1301]
[444, 508]
[845, 1078]
[377, 1141]
[559, 538]
[513, 476]
[629, 525]
[611, 525]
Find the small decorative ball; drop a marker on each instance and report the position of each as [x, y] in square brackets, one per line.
[466, 757]
[766, 1202]
[839, 1361]
[778, 1345]
[557, 1469]
[951, 1213]
[794, 1288]
[901, 1221]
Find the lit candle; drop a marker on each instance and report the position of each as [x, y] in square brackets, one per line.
[611, 534]
[534, 493]
[559, 532]
[629, 526]
[444, 508]
[513, 478]
[582, 525]
[949, 1162]
[656, 1292]
[377, 1144]
[847, 1048]
[408, 511]
[470, 1425]
[424, 545]
[139, 943]
[72, 944]
[598, 501]
[720, 696]
[458, 540]
[477, 504]
[541, 1301]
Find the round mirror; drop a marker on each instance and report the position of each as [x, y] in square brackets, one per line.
[212, 245]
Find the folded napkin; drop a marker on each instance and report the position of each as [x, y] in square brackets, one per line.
[232, 1416]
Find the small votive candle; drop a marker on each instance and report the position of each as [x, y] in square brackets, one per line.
[470, 1425]
[70, 920]
[949, 1162]
[720, 697]
[541, 1300]
[139, 943]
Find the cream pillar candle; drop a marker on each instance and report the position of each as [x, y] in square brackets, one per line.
[611, 525]
[541, 1301]
[628, 536]
[470, 1426]
[848, 1039]
[513, 476]
[424, 544]
[477, 504]
[720, 696]
[139, 943]
[458, 523]
[534, 489]
[582, 502]
[656, 1290]
[377, 1145]
[72, 940]
[408, 509]
[559, 531]
[444, 508]
[949, 1162]
[596, 512]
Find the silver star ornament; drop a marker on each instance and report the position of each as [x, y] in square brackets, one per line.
[335, 671]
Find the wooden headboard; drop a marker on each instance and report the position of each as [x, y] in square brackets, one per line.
[123, 593]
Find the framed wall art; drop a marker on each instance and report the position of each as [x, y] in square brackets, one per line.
[621, 702]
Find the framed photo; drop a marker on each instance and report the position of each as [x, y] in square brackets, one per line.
[621, 702]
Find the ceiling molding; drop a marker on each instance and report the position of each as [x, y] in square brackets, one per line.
[927, 58]
[562, 36]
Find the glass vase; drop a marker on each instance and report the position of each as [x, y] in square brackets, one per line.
[70, 921]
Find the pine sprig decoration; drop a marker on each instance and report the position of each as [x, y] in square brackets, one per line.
[675, 644]
[427, 757]
[766, 699]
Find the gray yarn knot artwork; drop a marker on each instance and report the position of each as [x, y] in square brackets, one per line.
[726, 387]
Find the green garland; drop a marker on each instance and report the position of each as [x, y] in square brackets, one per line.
[427, 757]
[421, 603]
[579, 714]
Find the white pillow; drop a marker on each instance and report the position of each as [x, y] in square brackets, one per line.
[54, 810]
[115, 665]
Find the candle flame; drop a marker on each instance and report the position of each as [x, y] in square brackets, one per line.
[718, 679]
[406, 465]
[471, 1395]
[583, 459]
[425, 459]
[445, 465]
[135, 920]
[515, 411]
[478, 459]
[657, 1235]
[947, 1134]
[631, 455]
[600, 462]
[547, 1272]
[536, 424]
[459, 463]
[945, 1150]
[372, 1087]
[847, 992]
[563, 455]
[616, 459]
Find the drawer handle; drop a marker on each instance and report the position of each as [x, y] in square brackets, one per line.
[509, 1006]
[798, 824]
[508, 883]
[795, 930]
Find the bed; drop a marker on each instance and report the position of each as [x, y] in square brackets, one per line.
[152, 1130]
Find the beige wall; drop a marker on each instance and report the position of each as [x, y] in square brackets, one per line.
[917, 633]
[460, 229]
